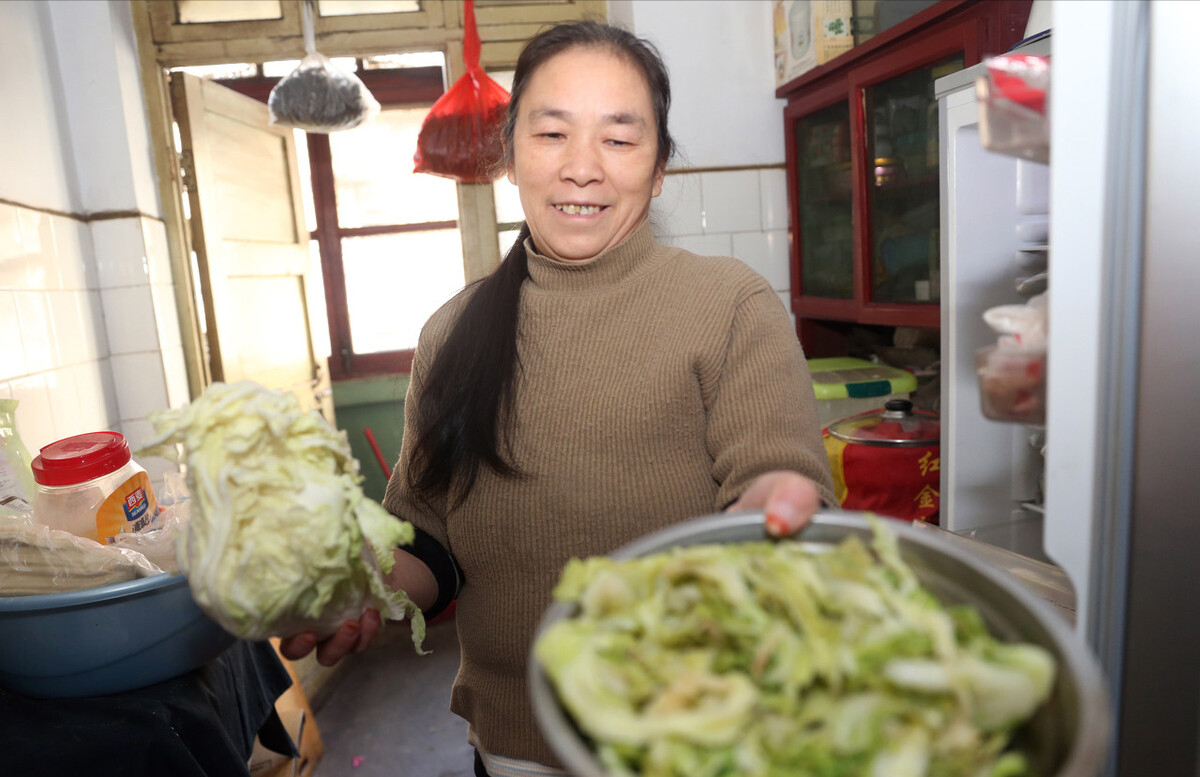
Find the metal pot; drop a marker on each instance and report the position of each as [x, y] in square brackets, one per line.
[1067, 737]
[887, 461]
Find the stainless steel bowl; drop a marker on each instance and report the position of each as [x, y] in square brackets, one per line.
[1068, 737]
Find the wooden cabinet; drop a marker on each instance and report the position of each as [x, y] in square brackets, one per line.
[862, 166]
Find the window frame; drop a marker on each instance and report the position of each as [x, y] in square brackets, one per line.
[393, 88]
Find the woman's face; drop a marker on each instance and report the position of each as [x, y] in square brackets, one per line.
[585, 153]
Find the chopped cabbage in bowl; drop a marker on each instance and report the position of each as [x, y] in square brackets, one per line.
[768, 659]
[281, 538]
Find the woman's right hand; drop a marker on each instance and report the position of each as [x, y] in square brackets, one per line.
[353, 637]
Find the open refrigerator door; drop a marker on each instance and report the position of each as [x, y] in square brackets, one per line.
[995, 269]
[1112, 503]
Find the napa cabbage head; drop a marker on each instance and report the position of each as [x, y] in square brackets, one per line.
[280, 538]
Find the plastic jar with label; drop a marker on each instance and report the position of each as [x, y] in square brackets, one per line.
[89, 485]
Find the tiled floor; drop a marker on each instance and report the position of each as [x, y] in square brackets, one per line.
[388, 711]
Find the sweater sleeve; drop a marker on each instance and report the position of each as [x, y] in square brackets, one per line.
[763, 414]
[399, 499]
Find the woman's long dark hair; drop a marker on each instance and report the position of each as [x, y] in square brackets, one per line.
[466, 406]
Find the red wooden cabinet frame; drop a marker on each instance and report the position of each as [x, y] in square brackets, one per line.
[974, 29]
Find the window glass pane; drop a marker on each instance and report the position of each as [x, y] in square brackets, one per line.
[503, 77]
[411, 59]
[356, 7]
[395, 282]
[508, 202]
[302, 162]
[237, 70]
[903, 145]
[282, 67]
[826, 212]
[317, 318]
[204, 11]
[374, 178]
[279, 68]
[506, 240]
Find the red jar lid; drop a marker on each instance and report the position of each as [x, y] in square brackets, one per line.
[81, 458]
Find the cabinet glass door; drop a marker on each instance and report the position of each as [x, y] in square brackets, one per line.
[902, 183]
[826, 208]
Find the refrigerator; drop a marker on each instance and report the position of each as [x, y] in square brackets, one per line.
[1107, 487]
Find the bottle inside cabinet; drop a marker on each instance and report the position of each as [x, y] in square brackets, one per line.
[903, 185]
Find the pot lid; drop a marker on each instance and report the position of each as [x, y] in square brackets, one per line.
[895, 424]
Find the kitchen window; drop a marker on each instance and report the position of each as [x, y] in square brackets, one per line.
[387, 239]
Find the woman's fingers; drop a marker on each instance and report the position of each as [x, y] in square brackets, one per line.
[354, 636]
[369, 624]
[343, 641]
[296, 647]
[790, 505]
[788, 499]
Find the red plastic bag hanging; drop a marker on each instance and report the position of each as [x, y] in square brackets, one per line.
[460, 138]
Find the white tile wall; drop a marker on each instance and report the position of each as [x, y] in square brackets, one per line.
[717, 244]
[741, 213]
[87, 341]
[732, 201]
[12, 352]
[158, 257]
[141, 384]
[15, 257]
[129, 319]
[82, 313]
[120, 252]
[774, 199]
[766, 252]
[75, 261]
[35, 419]
[33, 320]
[678, 210]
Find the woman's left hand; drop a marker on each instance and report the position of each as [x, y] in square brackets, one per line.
[788, 498]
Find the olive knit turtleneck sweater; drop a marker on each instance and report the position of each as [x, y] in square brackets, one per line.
[655, 385]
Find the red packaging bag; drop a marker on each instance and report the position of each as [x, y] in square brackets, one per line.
[460, 138]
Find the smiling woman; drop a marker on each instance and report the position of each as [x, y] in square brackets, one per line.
[585, 153]
[597, 386]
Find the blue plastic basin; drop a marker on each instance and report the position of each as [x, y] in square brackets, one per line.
[105, 640]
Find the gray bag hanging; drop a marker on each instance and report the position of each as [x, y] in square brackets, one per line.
[317, 96]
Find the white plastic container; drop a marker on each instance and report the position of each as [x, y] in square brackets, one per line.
[846, 386]
[89, 485]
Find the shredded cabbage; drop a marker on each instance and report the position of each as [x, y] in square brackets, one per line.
[281, 538]
[767, 659]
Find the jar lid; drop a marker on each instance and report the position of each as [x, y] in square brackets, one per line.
[897, 424]
[81, 458]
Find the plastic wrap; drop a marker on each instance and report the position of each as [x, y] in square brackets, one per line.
[1012, 373]
[460, 137]
[35, 559]
[157, 543]
[1014, 100]
[317, 96]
